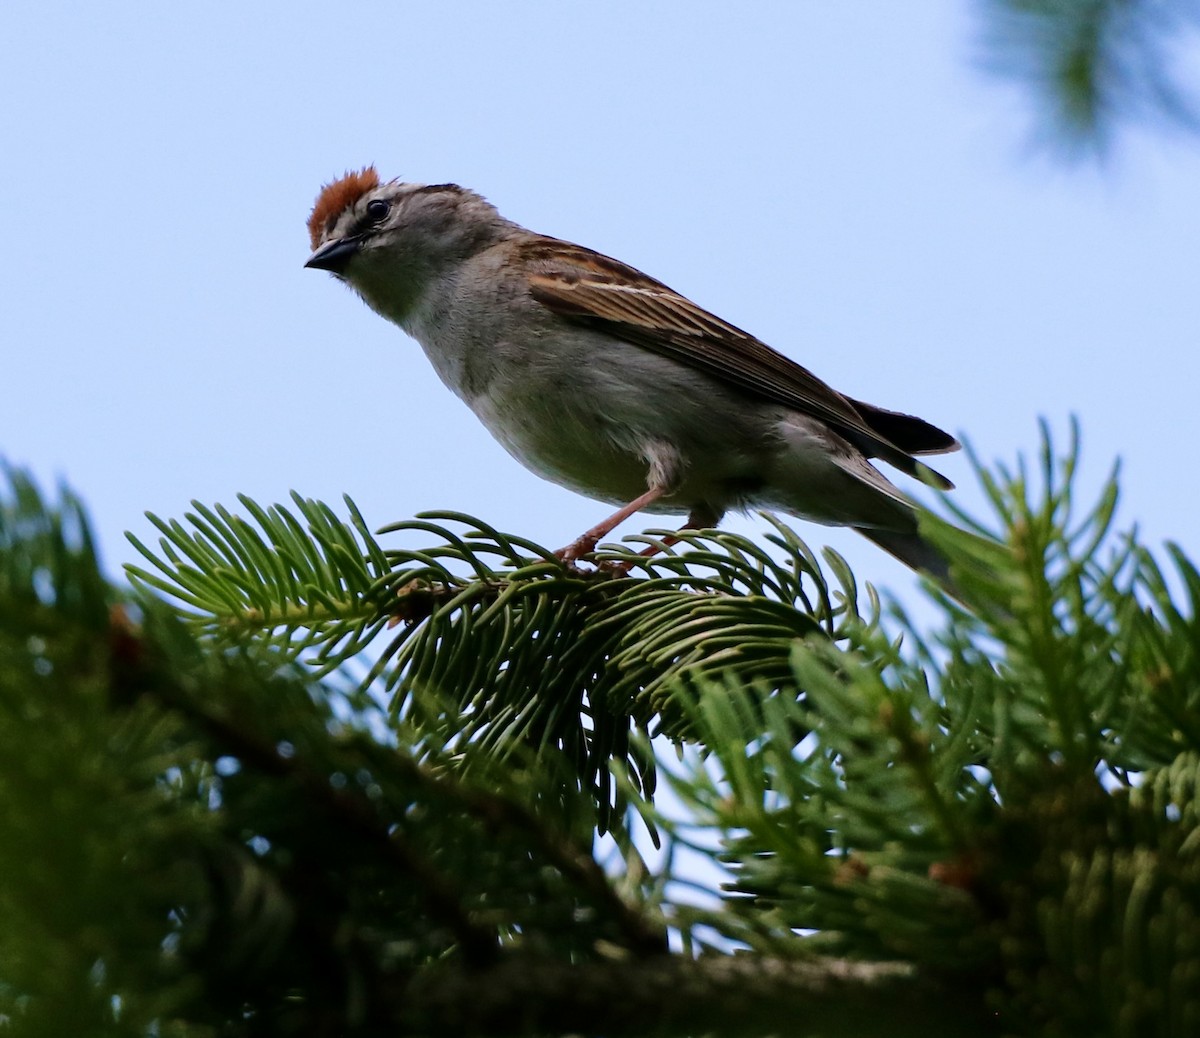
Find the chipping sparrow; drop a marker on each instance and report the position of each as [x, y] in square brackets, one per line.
[602, 379]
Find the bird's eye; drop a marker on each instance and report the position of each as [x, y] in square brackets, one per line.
[377, 210]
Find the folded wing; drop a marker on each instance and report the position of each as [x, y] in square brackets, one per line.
[602, 292]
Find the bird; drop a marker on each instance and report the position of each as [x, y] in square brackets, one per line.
[602, 379]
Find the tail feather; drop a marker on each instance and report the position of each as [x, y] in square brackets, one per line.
[914, 551]
[908, 432]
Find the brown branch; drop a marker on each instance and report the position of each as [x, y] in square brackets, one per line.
[671, 995]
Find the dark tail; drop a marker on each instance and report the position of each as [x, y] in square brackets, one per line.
[981, 558]
[914, 552]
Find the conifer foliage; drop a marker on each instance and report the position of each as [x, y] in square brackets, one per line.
[305, 778]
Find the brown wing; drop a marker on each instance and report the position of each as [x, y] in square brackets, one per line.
[605, 293]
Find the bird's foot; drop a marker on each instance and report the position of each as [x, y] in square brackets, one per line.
[577, 549]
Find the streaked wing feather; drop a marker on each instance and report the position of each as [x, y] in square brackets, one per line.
[587, 286]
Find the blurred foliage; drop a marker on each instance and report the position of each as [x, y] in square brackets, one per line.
[1095, 65]
[217, 819]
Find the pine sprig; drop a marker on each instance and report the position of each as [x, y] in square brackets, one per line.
[1093, 65]
[1012, 800]
[522, 650]
[302, 582]
[1003, 807]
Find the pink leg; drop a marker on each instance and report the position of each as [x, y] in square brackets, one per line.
[582, 545]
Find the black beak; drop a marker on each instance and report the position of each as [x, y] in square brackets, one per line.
[334, 255]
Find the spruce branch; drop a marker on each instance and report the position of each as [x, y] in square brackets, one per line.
[1092, 65]
[1003, 805]
[524, 650]
[727, 995]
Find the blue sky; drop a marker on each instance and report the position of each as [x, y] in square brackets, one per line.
[841, 180]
